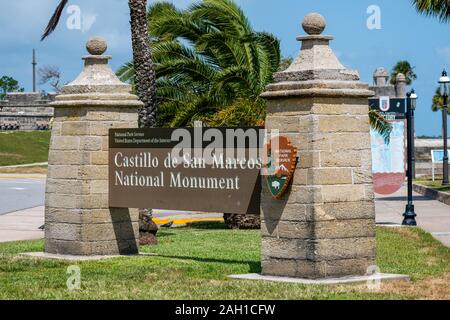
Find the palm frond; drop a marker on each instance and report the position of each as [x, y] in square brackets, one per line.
[434, 8]
[379, 124]
[53, 23]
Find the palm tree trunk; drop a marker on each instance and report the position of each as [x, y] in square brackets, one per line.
[145, 81]
[143, 63]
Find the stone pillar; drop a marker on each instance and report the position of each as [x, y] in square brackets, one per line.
[78, 220]
[324, 226]
[400, 86]
[380, 77]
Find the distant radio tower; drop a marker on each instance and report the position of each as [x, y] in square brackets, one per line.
[34, 70]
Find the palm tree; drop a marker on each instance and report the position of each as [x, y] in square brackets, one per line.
[434, 8]
[211, 65]
[142, 56]
[405, 68]
[438, 101]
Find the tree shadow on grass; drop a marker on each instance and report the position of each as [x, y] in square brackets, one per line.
[255, 266]
[209, 225]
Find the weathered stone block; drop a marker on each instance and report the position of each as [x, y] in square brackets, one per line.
[58, 215]
[94, 172]
[307, 159]
[348, 248]
[94, 201]
[300, 177]
[64, 186]
[91, 143]
[304, 194]
[344, 229]
[341, 158]
[343, 211]
[109, 231]
[283, 248]
[343, 123]
[65, 158]
[63, 171]
[279, 267]
[66, 201]
[99, 158]
[286, 229]
[277, 211]
[329, 176]
[102, 115]
[362, 176]
[343, 193]
[65, 143]
[111, 215]
[74, 128]
[63, 231]
[350, 141]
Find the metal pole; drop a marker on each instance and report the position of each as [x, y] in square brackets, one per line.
[409, 215]
[34, 70]
[444, 125]
[413, 143]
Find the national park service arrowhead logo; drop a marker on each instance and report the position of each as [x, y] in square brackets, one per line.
[280, 162]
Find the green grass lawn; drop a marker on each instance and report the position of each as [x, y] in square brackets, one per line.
[23, 147]
[193, 263]
[437, 184]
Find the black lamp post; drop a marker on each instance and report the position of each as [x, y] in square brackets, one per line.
[413, 141]
[444, 82]
[410, 215]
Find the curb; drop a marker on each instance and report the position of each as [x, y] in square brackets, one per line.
[162, 221]
[15, 176]
[432, 193]
[37, 164]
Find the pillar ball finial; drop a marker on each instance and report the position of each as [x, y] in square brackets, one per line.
[96, 46]
[314, 24]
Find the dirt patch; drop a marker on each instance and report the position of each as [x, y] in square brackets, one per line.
[408, 233]
[436, 288]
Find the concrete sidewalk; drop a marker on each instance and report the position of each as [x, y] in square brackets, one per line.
[37, 164]
[432, 216]
[22, 225]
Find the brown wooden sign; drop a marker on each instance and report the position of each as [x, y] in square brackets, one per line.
[192, 169]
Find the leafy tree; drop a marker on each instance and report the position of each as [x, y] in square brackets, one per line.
[9, 84]
[405, 68]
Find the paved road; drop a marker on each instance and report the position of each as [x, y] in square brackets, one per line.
[19, 194]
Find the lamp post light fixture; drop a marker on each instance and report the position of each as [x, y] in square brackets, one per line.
[444, 83]
[410, 215]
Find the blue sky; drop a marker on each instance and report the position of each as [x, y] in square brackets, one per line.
[404, 34]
